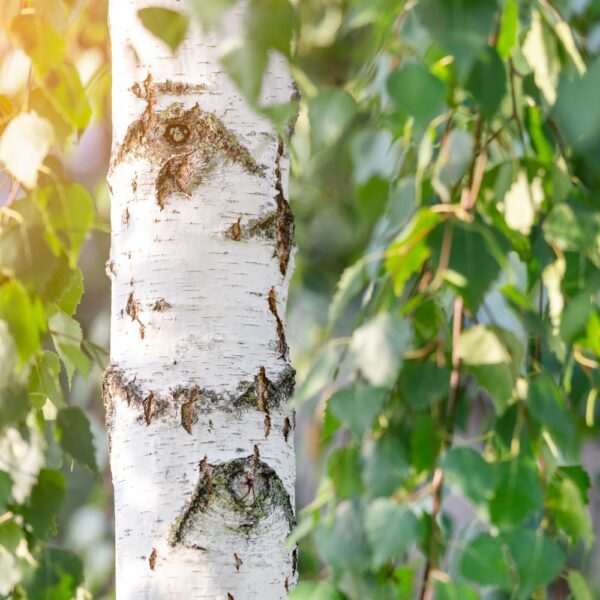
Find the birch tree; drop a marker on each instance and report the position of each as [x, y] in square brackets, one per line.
[201, 255]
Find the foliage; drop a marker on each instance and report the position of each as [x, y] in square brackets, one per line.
[45, 219]
[460, 364]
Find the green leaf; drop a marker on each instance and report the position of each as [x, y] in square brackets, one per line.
[417, 92]
[461, 27]
[481, 345]
[579, 586]
[409, 251]
[484, 562]
[46, 499]
[358, 406]
[475, 256]
[386, 466]
[547, 405]
[24, 145]
[210, 12]
[168, 25]
[574, 227]
[69, 213]
[343, 544]
[12, 567]
[576, 112]
[467, 473]
[43, 380]
[271, 24]
[451, 590]
[76, 436]
[509, 29]
[567, 505]
[423, 383]
[541, 51]
[487, 82]
[6, 484]
[537, 559]
[245, 64]
[351, 283]
[65, 92]
[343, 468]
[330, 113]
[316, 591]
[517, 495]
[377, 348]
[24, 318]
[425, 442]
[374, 154]
[39, 40]
[391, 529]
[67, 337]
[58, 576]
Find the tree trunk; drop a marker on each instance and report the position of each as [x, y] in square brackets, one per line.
[201, 440]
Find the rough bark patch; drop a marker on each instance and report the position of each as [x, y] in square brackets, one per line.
[264, 228]
[245, 488]
[186, 145]
[260, 394]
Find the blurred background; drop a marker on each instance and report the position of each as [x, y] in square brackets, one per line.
[335, 217]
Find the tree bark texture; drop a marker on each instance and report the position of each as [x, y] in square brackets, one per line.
[201, 255]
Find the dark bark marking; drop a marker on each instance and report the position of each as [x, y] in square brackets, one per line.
[294, 561]
[132, 308]
[161, 305]
[187, 410]
[267, 425]
[287, 427]
[236, 230]
[283, 348]
[175, 176]
[152, 559]
[286, 585]
[148, 408]
[238, 561]
[285, 218]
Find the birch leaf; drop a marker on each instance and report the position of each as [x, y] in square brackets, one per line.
[24, 146]
[168, 25]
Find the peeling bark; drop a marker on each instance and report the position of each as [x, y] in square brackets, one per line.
[201, 255]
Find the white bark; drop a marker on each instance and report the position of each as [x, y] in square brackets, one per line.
[201, 448]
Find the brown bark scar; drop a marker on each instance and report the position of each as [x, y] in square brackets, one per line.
[238, 561]
[152, 559]
[186, 145]
[287, 427]
[187, 410]
[148, 408]
[262, 391]
[267, 426]
[161, 305]
[132, 309]
[285, 218]
[283, 348]
[286, 585]
[236, 230]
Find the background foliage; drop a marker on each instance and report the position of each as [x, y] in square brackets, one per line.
[446, 197]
